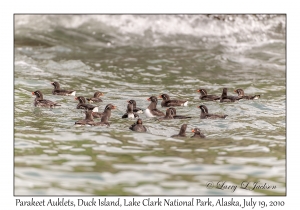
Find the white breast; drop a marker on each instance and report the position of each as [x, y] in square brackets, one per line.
[130, 115]
[148, 113]
[185, 103]
[72, 94]
[95, 109]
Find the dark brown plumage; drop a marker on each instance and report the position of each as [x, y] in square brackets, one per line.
[197, 133]
[58, 91]
[206, 97]
[138, 126]
[225, 98]
[83, 105]
[88, 119]
[97, 114]
[241, 93]
[39, 101]
[175, 116]
[129, 112]
[96, 97]
[181, 132]
[168, 115]
[167, 102]
[205, 115]
[135, 109]
[152, 111]
[105, 116]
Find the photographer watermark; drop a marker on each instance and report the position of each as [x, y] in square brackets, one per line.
[223, 185]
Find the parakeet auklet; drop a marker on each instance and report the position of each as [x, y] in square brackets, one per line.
[129, 112]
[241, 93]
[168, 115]
[40, 102]
[105, 116]
[206, 97]
[138, 126]
[181, 132]
[96, 97]
[88, 119]
[197, 133]
[175, 116]
[205, 115]
[136, 109]
[167, 102]
[58, 91]
[225, 98]
[83, 105]
[152, 111]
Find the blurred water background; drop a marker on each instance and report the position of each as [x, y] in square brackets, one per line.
[133, 57]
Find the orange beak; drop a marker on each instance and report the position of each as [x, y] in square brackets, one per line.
[193, 130]
[148, 99]
[76, 98]
[160, 96]
[114, 107]
[198, 91]
[234, 91]
[32, 93]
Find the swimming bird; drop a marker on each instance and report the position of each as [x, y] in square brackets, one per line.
[225, 98]
[175, 116]
[167, 102]
[168, 115]
[152, 111]
[241, 93]
[129, 112]
[96, 97]
[105, 116]
[197, 133]
[58, 91]
[136, 109]
[83, 105]
[39, 101]
[206, 97]
[88, 119]
[138, 126]
[205, 115]
[181, 132]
